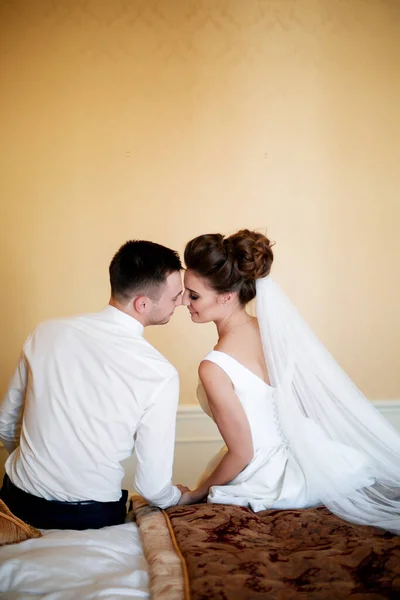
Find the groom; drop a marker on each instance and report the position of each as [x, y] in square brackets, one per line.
[87, 391]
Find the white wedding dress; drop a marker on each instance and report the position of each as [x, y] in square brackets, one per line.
[274, 477]
[316, 438]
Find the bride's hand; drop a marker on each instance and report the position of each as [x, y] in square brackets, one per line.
[186, 498]
[191, 497]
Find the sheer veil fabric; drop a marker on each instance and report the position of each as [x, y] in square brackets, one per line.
[316, 402]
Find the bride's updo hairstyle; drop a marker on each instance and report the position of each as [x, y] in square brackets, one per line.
[231, 264]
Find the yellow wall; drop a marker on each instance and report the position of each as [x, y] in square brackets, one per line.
[166, 119]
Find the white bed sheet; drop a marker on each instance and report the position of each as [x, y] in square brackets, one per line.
[64, 565]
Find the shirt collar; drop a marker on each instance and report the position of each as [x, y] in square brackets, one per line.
[114, 314]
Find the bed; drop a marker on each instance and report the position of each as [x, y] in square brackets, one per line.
[105, 563]
[221, 552]
[205, 552]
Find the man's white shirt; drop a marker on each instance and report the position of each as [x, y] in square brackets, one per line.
[87, 391]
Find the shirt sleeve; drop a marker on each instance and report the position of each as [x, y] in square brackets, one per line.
[12, 407]
[155, 441]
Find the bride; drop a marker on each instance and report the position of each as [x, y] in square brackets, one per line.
[297, 431]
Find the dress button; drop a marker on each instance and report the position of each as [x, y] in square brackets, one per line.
[278, 424]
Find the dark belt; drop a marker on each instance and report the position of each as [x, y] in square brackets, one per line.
[82, 503]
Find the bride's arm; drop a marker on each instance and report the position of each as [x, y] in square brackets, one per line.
[233, 425]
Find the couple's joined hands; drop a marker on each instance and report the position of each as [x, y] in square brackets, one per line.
[189, 496]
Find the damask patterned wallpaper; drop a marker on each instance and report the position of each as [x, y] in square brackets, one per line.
[164, 119]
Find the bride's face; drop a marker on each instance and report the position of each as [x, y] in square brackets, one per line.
[204, 304]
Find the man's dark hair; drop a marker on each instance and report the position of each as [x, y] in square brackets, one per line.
[141, 267]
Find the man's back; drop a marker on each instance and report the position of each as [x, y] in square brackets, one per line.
[87, 391]
[92, 383]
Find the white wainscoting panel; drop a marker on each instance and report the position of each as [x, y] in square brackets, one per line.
[198, 440]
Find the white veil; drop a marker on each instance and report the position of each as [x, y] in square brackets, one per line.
[321, 408]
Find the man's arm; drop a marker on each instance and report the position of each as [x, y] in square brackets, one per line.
[155, 441]
[12, 407]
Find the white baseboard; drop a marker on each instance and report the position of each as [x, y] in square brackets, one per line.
[198, 440]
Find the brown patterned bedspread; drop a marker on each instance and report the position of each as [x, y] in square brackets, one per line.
[231, 553]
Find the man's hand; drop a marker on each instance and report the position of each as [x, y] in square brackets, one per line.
[182, 488]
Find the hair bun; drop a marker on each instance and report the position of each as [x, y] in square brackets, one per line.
[251, 252]
[232, 263]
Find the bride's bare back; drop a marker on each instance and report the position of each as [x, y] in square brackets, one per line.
[244, 344]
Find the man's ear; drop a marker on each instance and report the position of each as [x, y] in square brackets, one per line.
[142, 305]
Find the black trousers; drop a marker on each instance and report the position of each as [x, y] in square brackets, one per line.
[51, 514]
